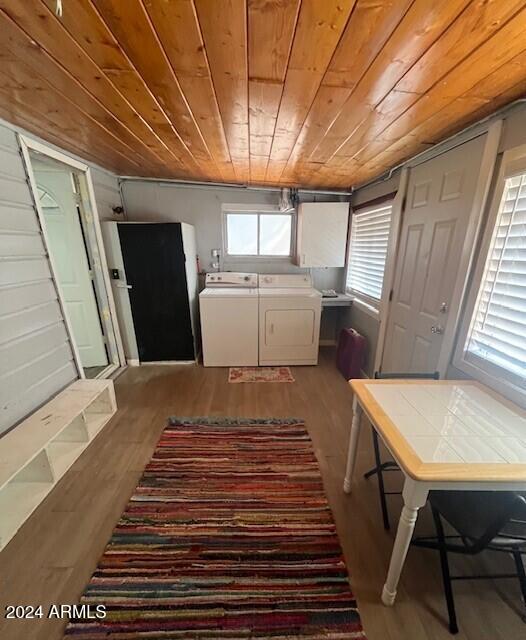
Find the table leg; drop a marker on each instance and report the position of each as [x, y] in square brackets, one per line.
[415, 496]
[353, 444]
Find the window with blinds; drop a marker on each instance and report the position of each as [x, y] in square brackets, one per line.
[498, 329]
[368, 251]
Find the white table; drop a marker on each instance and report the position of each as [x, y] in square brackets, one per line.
[454, 435]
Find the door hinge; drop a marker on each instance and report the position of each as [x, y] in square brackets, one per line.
[390, 295]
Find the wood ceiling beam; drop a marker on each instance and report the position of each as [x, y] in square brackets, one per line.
[27, 86]
[23, 116]
[130, 23]
[22, 87]
[86, 27]
[456, 87]
[274, 92]
[508, 80]
[224, 31]
[21, 46]
[319, 29]
[368, 29]
[461, 58]
[179, 32]
[271, 28]
[420, 27]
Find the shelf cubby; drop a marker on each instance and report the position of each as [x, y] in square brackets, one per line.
[38, 452]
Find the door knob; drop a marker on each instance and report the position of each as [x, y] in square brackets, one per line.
[443, 307]
[436, 328]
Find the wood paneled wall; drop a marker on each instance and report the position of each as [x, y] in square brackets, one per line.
[318, 93]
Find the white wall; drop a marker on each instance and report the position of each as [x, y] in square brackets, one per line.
[107, 193]
[377, 189]
[201, 206]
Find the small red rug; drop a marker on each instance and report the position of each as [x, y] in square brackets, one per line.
[260, 374]
[228, 536]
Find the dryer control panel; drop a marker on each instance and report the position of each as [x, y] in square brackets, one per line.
[285, 281]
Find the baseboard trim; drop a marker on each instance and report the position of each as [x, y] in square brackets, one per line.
[289, 363]
[118, 372]
[169, 362]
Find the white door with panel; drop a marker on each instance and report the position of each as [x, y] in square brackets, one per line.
[68, 250]
[440, 196]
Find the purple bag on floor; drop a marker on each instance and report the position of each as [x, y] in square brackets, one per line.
[350, 353]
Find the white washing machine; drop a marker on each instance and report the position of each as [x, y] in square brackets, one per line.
[229, 319]
[289, 320]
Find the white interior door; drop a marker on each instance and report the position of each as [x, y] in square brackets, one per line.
[440, 195]
[66, 244]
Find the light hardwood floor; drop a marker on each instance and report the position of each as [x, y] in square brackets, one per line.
[52, 557]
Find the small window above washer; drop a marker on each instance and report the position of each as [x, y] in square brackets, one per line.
[257, 233]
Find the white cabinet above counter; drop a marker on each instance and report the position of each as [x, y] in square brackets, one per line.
[322, 234]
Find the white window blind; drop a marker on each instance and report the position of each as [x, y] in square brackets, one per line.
[498, 328]
[368, 251]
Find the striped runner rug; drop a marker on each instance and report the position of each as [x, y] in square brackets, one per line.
[228, 535]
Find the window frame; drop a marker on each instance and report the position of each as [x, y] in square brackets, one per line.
[256, 210]
[368, 303]
[513, 163]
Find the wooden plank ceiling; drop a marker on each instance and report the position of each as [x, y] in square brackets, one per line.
[319, 93]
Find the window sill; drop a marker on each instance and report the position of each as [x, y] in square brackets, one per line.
[497, 382]
[244, 259]
[364, 306]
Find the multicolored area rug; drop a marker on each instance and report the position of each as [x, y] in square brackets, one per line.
[228, 535]
[260, 374]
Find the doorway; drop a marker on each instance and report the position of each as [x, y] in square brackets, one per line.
[67, 218]
[440, 196]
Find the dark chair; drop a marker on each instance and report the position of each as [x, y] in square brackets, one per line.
[390, 465]
[494, 520]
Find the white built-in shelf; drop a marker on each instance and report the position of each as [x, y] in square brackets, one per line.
[39, 451]
[342, 300]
